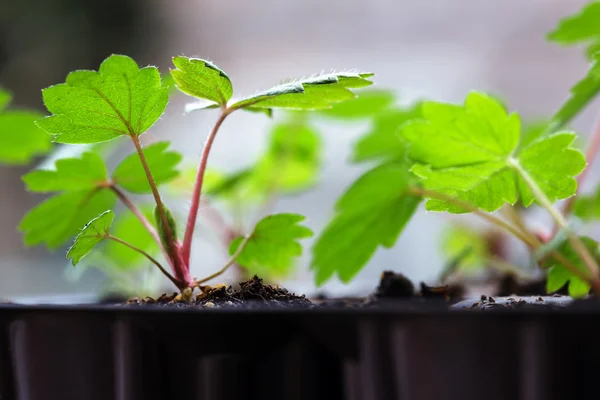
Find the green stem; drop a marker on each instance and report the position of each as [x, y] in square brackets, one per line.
[559, 219]
[229, 263]
[149, 257]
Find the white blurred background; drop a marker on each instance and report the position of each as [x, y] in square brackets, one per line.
[419, 48]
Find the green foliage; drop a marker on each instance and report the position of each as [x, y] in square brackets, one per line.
[90, 107]
[581, 95]
[161, 227]
[81, 183]
[471, 153]
[202, 79]
[559, 275]
[163, 164]
[92, 233]
[371, 213]
[579, 28]
[273, 245]
[290, 164]
[21, 139]
[462, 240]
[313, 93]
[368, 104]
[72, 174]
[383, 142]
[587, 207]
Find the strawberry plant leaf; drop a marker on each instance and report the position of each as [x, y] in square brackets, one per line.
[582, 27]
[92, 233]
[73, 174]
[163, 164]
[382, 142]
[471, 153]
[202, 79]
[460, 239]
[308, 94]
[273, 245]
[581, 95]
[371, 213]
[21, 139]
[366, 105]
[587, 207]
[129, 228]
[119, 99]
[291, 162]
[56, 220]
[559, 275]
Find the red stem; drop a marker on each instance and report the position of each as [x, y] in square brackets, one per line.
[180, 269]
[590, 155]
[191, 221]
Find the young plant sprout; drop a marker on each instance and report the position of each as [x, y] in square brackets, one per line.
[123, 100]
[473, 157]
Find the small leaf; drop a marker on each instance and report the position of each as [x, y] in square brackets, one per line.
[202, 79]
[471, 153]
[587, 207]
[559, 275]
[163, 164]
[91, 107]
[91, 234]
[273, 245]
[291, 162]
[74, 174]
[579, 28]
[5, 98]
[129, 228]
[457, 239]
[366, 105]
[372, 213]
[224, 185]
[56, 220]
[382, 142]
[21, 139]
[161, 226]
[308, 94]
[582, 94]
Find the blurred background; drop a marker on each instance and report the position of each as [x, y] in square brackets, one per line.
[418, 48]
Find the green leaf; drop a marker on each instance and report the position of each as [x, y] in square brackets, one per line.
[92, 233]
[273, 245]
[587, 207]
[579, 28]
[382, 142]
[202, 79]
[21, 139]
[56, 220]
[74, 174]
[129, 228]
[308, 94]
[291, 162]
[224, 185]
[366, 105]
[558, 275]
[471, 153]
[5, 98]
[161, 226]
[581, 95]
[163, 164]
[91, 107]
[457, 239]
[372, 213]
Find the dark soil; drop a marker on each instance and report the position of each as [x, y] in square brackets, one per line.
[250, 294]
[393, 289]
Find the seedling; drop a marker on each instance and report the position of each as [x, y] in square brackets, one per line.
[122, 100]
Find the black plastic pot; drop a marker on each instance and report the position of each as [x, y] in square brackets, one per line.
[127, 353]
